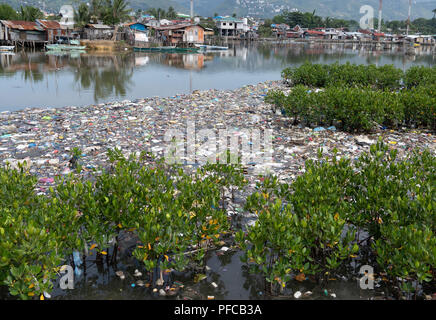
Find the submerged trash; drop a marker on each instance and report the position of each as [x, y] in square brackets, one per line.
[297, 295]
[307, 294]
[199, 277]
[120, 274]
[140, 283]
[319, 129]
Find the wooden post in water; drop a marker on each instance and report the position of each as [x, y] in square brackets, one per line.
[380, 15]
[408, 19]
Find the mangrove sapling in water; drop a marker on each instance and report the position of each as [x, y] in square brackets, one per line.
[417, 76]
[29, 248]
[344, 75]
[306, 228]
[313, 228]
[358, 109]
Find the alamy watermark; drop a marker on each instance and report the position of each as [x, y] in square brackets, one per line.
[367, 21]
[367, 281]
[66, 281]
[224, 146]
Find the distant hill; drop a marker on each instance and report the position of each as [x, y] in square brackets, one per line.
[346, 9]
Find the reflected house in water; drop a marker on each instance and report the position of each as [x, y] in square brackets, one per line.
[185, 61]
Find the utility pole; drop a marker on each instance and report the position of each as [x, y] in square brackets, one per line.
[192, 11]
[380, 15]
[408, 19]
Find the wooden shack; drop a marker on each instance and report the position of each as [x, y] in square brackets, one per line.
[98, 32]
[178, 34]
[53, 29]
[24, 33]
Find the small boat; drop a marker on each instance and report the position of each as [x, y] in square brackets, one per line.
[211, 48]
[60, 53]
[166, 49]
[146, 49]
[65, 45]
[6, 48]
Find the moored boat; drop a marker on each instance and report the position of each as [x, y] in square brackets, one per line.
[65, 45]
[211, 48]
[6, 48]
[166, 49]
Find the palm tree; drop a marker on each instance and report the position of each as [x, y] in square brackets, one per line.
[152, 12]
[29, 13]
[161, 14]
[95, 10]
[116, 12]
[171, 14]
[82, 16]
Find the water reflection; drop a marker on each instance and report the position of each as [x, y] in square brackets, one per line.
[107, 75]
[80, 78]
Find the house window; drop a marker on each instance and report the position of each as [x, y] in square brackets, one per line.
[224, 23]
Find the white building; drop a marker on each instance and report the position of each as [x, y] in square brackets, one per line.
[67, 20]
[231, 27]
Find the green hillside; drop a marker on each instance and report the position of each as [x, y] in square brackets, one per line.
[346, 9]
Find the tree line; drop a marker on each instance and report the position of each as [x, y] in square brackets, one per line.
[311, 20]
[110, 12]
[26, 13]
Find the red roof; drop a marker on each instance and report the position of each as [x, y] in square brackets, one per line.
[49, 24]
[314, 32]
[176, 27]
[376, 34]
[132, 23]
[22, 25]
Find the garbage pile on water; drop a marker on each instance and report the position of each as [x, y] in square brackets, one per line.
[44, 138]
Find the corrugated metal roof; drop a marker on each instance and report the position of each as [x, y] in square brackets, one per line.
[315, 32]
[176, 27]
[49, 24]
[98, 26]
[22, 25]
[133, 23]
